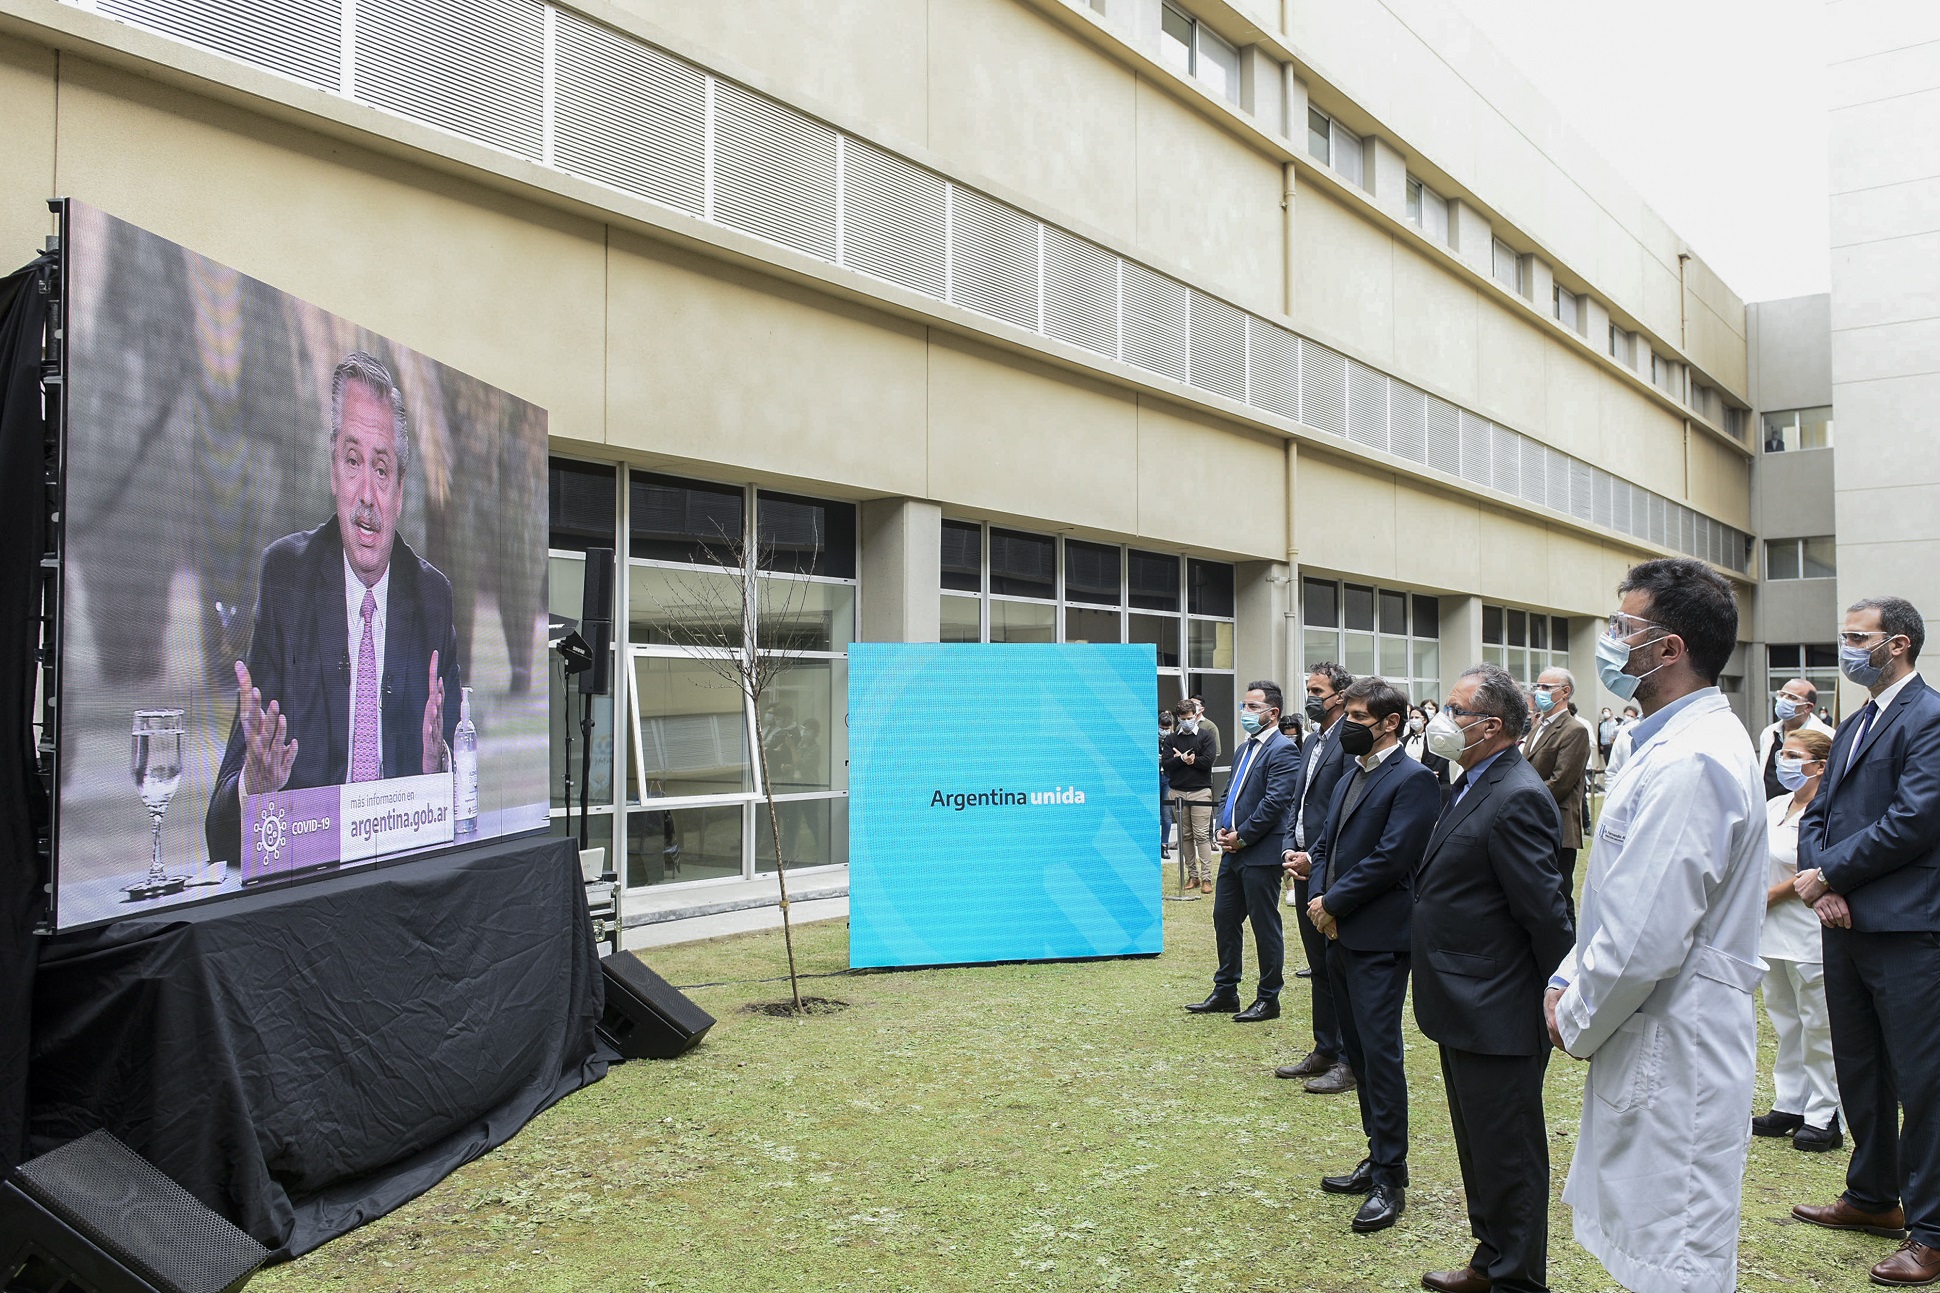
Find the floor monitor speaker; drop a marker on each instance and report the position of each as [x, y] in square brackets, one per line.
[95, 1217]
[646, 1017]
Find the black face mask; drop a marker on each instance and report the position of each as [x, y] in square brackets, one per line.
[1316, 708]
[1355, 739]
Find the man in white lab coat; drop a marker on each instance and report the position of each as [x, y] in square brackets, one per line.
[1658, 992]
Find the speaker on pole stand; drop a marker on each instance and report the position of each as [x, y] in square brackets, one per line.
[595, 679]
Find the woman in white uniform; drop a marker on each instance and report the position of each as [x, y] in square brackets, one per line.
[1806, 1104]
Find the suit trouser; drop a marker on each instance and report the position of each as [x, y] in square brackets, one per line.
[1195, 834]
[1370, 989]
[1496, 1105]
[1881, 989]
[1248, 893]
[1314, 943]
[1803, 1077]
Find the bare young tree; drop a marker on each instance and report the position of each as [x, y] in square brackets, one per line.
[745, 630]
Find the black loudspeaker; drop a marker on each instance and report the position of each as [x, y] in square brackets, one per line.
[646, 1017]
[596, 621]
[96, 1217]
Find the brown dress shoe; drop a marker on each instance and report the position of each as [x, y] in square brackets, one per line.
[1465, 1280]
[1333, 1082]
[1840, 1215]
[1913, 1265]
[1313, 1066]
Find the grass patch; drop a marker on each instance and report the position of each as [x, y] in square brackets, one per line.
[1052, 1126]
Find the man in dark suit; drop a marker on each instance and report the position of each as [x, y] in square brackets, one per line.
[353, 651]
[1558, 748]
[1490, 926]
[1323, 761]
[1382, 813]
[1869, 861]
[1247, 829]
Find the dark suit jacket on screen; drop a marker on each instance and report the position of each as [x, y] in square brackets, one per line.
[1373, 851]
[1875, 826]
[300, 653]
[1490, 924]
[1265, 801]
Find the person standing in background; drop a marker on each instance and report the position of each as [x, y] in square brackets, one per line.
[1165, 787]
[1805, 1105]
[1187, 759]
[1558, 749]
[1792, 711]
[1606, 735]
[1207, 726]
[1869, 855]
[1415, 742]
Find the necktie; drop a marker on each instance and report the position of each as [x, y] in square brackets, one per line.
[1239, 779]
[1456, 791]
[1866, 717]
[364, 760]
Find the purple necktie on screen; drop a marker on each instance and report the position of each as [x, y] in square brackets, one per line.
[363, 733]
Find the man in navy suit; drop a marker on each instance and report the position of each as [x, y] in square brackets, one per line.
[1869, 861]
[1378, 825]
[1322, 763]
[353, 652]
[1248, 829]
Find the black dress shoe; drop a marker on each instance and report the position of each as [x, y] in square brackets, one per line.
[1358, 1181]
[1334, 1081]
[1383, 1208]
[1260, 1010]
[1313, 1066]
[1818, 1140]
[1219, 1003]
[1776, 1123]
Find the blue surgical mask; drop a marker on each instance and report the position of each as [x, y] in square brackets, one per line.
[1791, 773]
[1857, 664]
[1612, 654]
[1251, 722]
[1545, 702]
[1785, 708]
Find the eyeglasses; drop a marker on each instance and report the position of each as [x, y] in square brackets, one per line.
[1462, 711]
[1623, 626]
[1859, 639]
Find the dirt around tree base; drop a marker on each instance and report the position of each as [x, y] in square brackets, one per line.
[784, 1009]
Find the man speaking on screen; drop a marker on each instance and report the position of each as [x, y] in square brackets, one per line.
[353, 653]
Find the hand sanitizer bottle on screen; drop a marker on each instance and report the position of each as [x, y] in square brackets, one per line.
[464, 767]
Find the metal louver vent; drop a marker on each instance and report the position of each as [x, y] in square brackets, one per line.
[893, 218]
[994, 254]
[1273, 356]
[627, 115]
[1444, 436]
[1407, 422]
[1559, 481]
[1622, 518]
[1367, 406]
[299, 38]
[774, 172]
[1080, 293]
[1533, 484]
[473, 67]
[1582, 491]
[1505, 459]
[1216, 354]
[1605, 513]
[1476, 451]
[1659, 523]
[1155, 322]
[1323, 388]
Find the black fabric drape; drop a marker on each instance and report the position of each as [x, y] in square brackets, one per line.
[306, 1059]
[23, 535]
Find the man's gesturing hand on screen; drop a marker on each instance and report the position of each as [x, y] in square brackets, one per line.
[433, 736]
[268, 754]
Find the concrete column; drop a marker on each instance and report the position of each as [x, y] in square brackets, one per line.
[1596, 322]
[1591, 698]
[1469, 234]
[1293, 91]
[1540, 281]
[1461, 637]
[902, 560]
[1387, 176]
[1261, 88]
[1262, 594]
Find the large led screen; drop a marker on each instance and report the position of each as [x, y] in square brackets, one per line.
[303, 595]
[1003, 803]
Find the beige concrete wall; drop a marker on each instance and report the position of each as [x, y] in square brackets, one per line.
[27, 175]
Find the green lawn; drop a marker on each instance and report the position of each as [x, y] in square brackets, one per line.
[1012, 1127]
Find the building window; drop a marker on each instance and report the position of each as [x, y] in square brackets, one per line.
[1189, 48]
[1817, 663]
[1334, 145]
[1525, 642]
[1428, 211]
[1623, 347]
[1813, 558]
[1734, 423]
[1798, 429]
[1568, 308]
[1371, 632]
[1004, 585]
[694, 784]
[1506, 265]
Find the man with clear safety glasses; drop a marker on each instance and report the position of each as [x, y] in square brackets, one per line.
[1869, 863]
[1657, 993]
